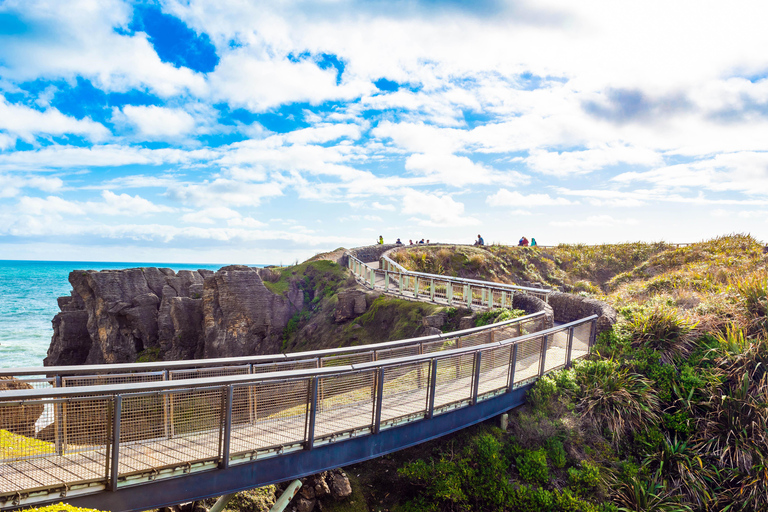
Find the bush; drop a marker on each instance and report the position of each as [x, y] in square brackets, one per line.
[532, 466]
[662, 329]
[587, 476]
[556, 452]
[615, 398]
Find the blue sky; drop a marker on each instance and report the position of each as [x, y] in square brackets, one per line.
[265, 132]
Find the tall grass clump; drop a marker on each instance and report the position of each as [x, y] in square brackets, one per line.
[753, 290]
[615, 398]
[662, 329]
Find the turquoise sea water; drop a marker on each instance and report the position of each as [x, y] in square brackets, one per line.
[28, 293]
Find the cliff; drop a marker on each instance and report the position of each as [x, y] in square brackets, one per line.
[113, 316]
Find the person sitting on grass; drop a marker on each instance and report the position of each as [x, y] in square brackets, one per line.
[479, 240]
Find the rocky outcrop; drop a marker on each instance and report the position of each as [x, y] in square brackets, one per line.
[315, 489]
[569, 307]
[113, 315]
[241, 316]
[18, 419]
[531, 304]
[352, 303]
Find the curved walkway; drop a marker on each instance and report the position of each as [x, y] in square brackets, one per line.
[134, 443]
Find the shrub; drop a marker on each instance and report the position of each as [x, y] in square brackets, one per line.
[532, 466]
[662, 329]
[615, 398]
[556, 452]
[587, 476]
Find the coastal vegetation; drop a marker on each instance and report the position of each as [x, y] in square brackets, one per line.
[669, 413]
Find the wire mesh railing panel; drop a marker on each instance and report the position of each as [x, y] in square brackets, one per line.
[268, 414]
[474, 339]
[27, 462]
[196, 419]
[581, 334]
[345, 402]
[218, 371]
[347, 359]
[509, 331]
[557, 350]
[301, 364]
[26, 382]
[438, 346]
[144, 416]
[494, 369]
[454, 379]
[406, 389]
[85, 424]
[528, 355]
[111, 378]
[391, 353]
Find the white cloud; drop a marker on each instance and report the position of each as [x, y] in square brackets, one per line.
[27, 123]
[124, 204]
[77, 38]
[595, 221]
[158, 122]
[441, 210]
[210, 215]
[386, 207]
[514, 199]
[451, 170]
[224, 191]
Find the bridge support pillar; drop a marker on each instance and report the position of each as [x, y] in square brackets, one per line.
[286, 497]
[221, 503]
[503, 423]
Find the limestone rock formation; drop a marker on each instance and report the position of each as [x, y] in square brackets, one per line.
[113, 315]
[352, 303]
[18, 419]
[241, 315]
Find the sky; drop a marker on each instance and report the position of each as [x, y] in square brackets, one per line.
[265, 132]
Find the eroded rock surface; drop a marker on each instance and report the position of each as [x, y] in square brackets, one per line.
[114, 315]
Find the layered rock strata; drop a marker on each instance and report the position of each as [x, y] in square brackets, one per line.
[114, 315]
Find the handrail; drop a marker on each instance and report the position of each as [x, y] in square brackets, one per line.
[119, 435]
[137, 387]
[466, 280]
[448, 290]
[100, 369]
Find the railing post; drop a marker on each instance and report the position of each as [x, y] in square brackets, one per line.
[432, 289]
[386, 280]
[490, 298]
[226, 426]
[592, 334]
[416, 286]
[312, 412]
[373, 278]
[166, 425]
[59, 419]
[503, 299]
[400, 281]
[512, 364]
[543, 357]
[569, 348]
[476, 377]
[379, 400]
[449, 292]
[432, 389]
[115, 455]
[469, 296]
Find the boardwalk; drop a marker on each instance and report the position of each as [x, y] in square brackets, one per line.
[256, 427]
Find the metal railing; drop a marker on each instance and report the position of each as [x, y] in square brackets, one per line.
[92, 438]
[104, 374]
[394, 279]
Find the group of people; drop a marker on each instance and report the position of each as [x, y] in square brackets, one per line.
[523, 242]
[380, 241]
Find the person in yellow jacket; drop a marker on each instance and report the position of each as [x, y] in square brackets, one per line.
[381, 240]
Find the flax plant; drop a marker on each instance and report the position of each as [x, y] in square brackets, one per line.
[615, 398]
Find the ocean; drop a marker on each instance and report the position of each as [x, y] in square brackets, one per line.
[28, 293]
